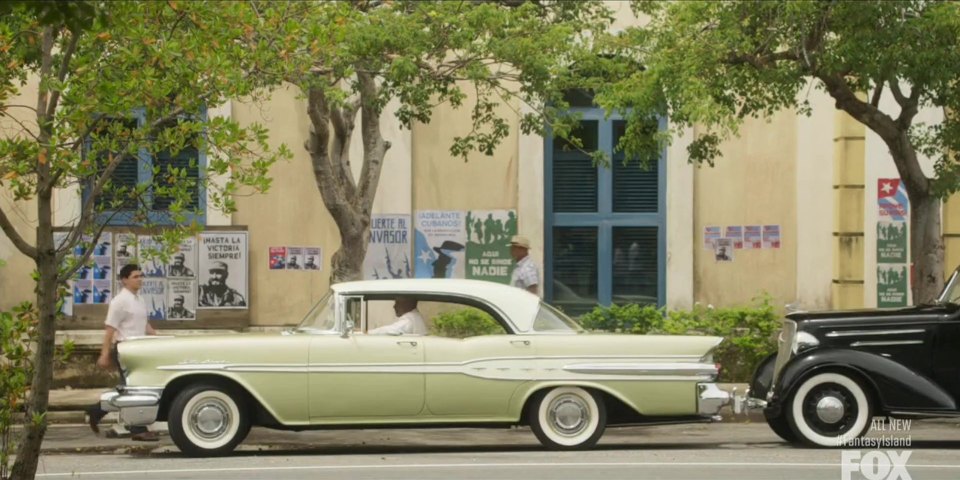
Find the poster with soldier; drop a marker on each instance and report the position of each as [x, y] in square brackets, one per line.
[312, 258]
[222, 270]
[153, 291]
[388, 253]
[488, 250]
[183, 263]
[294, 259]
[148, 249]
[181, 299]
[439, 244]
[125, 250]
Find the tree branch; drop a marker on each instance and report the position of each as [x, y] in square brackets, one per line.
[877, 92]
[897, 93]
[374, 147]
[15, 237]
[63, 71]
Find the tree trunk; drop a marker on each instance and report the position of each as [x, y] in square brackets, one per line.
[347, 263]
[28, 451]
[926, 243]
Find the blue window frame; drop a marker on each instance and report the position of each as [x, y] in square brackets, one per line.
[144, 169]
[605, 238]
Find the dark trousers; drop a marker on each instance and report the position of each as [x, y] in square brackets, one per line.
[96, 412]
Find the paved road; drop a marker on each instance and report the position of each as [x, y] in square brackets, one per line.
[716, 452]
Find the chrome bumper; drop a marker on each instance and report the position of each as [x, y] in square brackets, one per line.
[744, 403]
[710, 399]
[137, 406]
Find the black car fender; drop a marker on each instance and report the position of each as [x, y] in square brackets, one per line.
[763, 377]
[896, 386]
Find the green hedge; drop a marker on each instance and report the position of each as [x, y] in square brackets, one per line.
[749, 332]
[467, 322]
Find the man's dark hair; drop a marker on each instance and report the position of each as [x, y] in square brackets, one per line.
[128, 269]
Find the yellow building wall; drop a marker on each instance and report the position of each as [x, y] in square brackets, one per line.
[753, 183]
[951, 235]
[848, 212]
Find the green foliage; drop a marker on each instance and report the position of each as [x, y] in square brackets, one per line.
[466, 322]
[749, 332]
[17, 332]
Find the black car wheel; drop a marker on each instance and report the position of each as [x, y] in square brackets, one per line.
[781, 427]
[829, 410]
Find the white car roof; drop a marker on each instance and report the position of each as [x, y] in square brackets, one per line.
[518, 305]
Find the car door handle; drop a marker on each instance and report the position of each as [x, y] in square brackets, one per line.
[524, 343]
[407, 342]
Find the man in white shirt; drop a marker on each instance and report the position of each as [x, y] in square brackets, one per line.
[525, 274]
[126, 318]
[409, 321]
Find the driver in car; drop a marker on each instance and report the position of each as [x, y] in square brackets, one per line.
[408, 322]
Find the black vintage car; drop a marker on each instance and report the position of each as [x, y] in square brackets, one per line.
[835, 371]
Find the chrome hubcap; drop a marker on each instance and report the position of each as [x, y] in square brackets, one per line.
[210, 419]
[569, 415]
[830, 409]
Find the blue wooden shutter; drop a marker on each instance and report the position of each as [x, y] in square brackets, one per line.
[187, 159]
[574, 175]
[635, 186]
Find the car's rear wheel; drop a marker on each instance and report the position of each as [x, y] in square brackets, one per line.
[567, 418]
[781, 427]
[829, 410]
[208, 420]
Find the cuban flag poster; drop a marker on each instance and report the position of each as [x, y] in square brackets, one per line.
[893, 261]
[439, 244]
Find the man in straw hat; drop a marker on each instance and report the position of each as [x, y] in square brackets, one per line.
[525, 274]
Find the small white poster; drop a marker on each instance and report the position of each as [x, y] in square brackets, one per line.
[388, 253]
[153, 293]
[125, 250]
[183, 263]
[314, 256]
[148, 249]
[222, 270]
[294, 260]
[723, 250]
[181, 299]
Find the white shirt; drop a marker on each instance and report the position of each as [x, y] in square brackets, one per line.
[128, 314]
[525, 274]
[410, 323]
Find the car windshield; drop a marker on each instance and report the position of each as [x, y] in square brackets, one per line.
[951, 292]
[320, 318]
[550, 319]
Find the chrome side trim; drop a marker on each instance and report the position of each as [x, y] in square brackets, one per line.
[857, 333]
[886, 343]
[698, 369]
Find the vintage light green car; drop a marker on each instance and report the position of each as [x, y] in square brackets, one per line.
[541, 370]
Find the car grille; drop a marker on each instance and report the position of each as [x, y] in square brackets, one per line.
[785, 348]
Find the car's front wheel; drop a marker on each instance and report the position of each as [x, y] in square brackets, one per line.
[829, 410]
[568, 418]
[208, 420]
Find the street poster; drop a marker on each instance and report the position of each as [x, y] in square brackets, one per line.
[710, 237]
[891, 286]
[771, 236]
[752, 237]
[735, 233]
[67, 308]
[125, 250]
[314, 258]
[148, 249]
[153, 293]
[181, 299]
[294, 258]
[488, 235]
[893, 232]
[223, 270]
[278, 258]
[439, 244]
[183, 263]
[723, 250]
[388, 253]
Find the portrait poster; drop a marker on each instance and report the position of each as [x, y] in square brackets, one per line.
[294, 258]
[752, 237]
[735, 233]
[723, 250]
[488, 235]
[183, 263]
[710, 237]
[222, 270]
[388, 253]
[148, 249]
[771, 236]
[313, 258]
[125, 250]
[153, 292]
[181, 299]
[439, 244]
[278, 258]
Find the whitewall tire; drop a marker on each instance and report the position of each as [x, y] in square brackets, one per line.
[567, 418]
[208, 420]
[829, 410]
